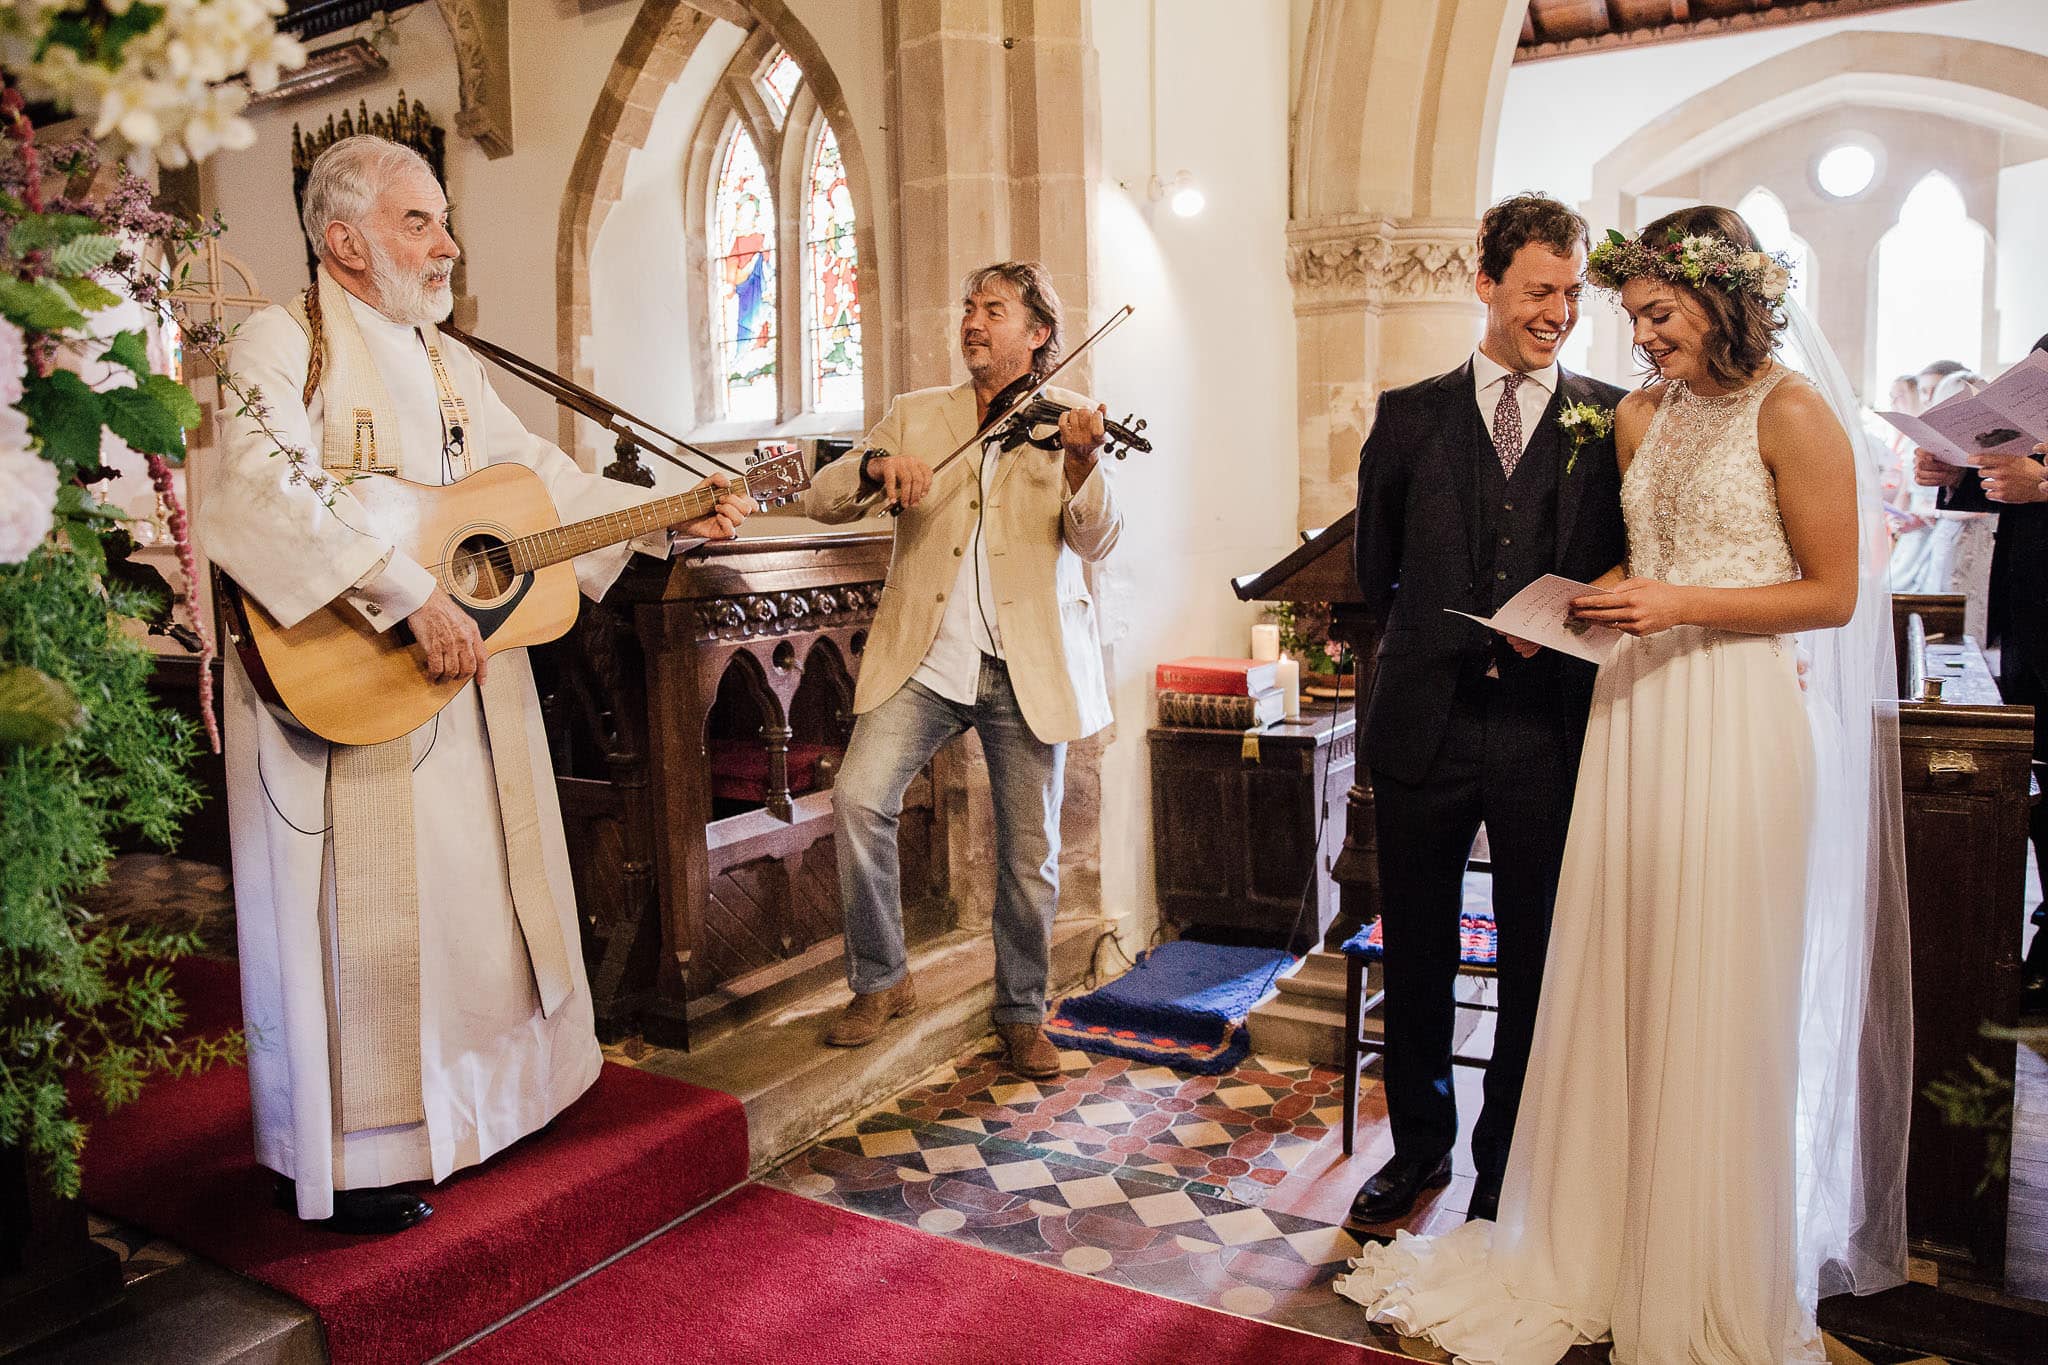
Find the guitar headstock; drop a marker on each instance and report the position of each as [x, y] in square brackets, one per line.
[776, 476]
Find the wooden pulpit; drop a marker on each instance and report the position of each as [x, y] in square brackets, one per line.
[1319, 570]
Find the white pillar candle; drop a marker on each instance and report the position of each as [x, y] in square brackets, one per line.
[1266, 642]
[1290, 689]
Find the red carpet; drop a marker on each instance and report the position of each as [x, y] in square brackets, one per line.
[633, 1153]
[764, 1276]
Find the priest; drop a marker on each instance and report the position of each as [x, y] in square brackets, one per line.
[412, 985]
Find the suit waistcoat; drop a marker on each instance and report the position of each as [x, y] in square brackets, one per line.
[1514, 519]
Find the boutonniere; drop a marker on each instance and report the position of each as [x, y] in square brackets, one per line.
[1584, 423]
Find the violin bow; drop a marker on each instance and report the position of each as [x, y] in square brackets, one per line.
[1030, 395]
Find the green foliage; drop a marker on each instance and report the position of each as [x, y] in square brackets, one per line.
[42, 231]
[1980, 1100]
[64, 414]
[77, 994]
[129, 349]
[89, 294]
[34, 707]
[37, 306]
[137, 417]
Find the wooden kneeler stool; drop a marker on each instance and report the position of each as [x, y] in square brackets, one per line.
[1360, 951]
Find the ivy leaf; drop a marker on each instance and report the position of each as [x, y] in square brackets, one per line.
[1614, 236]
[37, 307]
[85, 543]
[41, 231]
[66, 416]
[35, 708]
[83, 255]
[177, 400]
[141, 419]
[90, 295]
[131, 350]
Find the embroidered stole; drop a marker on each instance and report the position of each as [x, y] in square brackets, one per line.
[374, 1057]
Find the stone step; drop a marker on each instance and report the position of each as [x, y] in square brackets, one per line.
[795, 1086]
[1299, 1029]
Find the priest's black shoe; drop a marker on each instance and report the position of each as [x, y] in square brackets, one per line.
[1393, 1190]
[1485, 1206]
[377, 1212]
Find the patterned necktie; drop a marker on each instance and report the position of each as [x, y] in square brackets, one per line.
[1507, 424]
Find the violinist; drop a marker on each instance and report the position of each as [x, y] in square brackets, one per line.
[985, 623]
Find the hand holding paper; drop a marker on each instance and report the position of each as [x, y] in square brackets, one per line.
[1542, 614]
[2006, 418]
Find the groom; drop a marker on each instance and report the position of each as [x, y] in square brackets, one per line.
[1470, 488]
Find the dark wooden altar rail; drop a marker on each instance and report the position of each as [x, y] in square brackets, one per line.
[696, 923]
[1965, 764]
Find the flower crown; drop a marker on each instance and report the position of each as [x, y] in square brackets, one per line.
[1695, 261]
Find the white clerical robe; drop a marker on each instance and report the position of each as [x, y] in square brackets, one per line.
[494, 1069]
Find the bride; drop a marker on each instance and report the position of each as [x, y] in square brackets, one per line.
[1712, 1132]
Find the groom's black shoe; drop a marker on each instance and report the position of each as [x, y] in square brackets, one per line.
[1393, 1190]
[363, 1212]
[1485, 1205]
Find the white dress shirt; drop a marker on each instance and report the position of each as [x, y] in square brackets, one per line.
[1533, 396]
[969, 628]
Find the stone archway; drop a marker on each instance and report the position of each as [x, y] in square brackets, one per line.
[657, 47]
[1394, 132]
[1960, 83]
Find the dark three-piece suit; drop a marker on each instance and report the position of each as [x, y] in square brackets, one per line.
[1461, 730]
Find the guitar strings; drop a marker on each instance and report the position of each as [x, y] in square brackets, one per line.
[501, 556]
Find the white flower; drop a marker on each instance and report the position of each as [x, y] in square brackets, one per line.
[13, 368]
[1775, 281]
[28, 502]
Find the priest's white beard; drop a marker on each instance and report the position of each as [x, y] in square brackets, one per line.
[411, 301]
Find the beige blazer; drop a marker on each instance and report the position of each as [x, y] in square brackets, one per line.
[1038, 534]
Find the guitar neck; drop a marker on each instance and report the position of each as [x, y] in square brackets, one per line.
[543, 548]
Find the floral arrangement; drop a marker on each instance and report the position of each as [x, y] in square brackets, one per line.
[153, 78]
[1305, 636]
[1584, 423]
[1697, 262]
[84, 751]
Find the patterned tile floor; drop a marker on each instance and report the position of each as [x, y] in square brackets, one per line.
[1225, 1191]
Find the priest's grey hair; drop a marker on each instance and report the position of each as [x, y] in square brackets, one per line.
[346, 179]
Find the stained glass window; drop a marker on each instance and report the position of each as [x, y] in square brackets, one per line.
[832, 299]
[743, 280]
[781, 78]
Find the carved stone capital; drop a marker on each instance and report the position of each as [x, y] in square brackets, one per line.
[483, 66]
[1358, 260]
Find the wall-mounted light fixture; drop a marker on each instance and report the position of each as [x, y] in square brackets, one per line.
[1181, 194]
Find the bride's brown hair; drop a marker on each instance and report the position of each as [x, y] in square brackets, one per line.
[1744, 326]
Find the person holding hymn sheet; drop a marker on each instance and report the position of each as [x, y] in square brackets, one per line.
[2017, 620]
[1471, 486]
[986, 624]
[1712, 1132]
[412, 978]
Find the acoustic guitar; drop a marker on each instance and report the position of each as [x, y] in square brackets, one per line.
[495, 543]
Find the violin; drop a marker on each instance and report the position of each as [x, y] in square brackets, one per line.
[1037, 424]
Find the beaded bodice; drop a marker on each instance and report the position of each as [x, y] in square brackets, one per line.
[1701, 506]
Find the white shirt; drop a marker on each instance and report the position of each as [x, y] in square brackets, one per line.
[1533, 396]
[968, 630]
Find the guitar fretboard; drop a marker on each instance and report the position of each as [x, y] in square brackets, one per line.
[543, 548]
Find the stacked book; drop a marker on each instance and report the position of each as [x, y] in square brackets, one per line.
[1219, 694]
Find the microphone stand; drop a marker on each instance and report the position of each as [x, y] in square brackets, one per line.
[627, 443]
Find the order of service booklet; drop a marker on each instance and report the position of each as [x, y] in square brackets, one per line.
[2009, 417]
[1542, 613]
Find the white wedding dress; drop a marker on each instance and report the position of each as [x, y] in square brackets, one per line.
[1650, 1192]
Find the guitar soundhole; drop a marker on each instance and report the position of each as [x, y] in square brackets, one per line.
[481, 571]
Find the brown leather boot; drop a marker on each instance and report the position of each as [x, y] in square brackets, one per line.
[1032, 1054]
[863, 1019]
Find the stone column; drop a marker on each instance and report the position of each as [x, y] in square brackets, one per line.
[1377, 304]
[997, 146]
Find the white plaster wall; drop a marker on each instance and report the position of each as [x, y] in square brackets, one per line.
[1208, 359]
[2022, 264]
[642, 334]
[1559, 117]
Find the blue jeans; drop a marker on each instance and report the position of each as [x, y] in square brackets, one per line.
[1026, 778]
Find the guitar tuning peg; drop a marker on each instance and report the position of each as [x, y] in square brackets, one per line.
[1140, 425]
